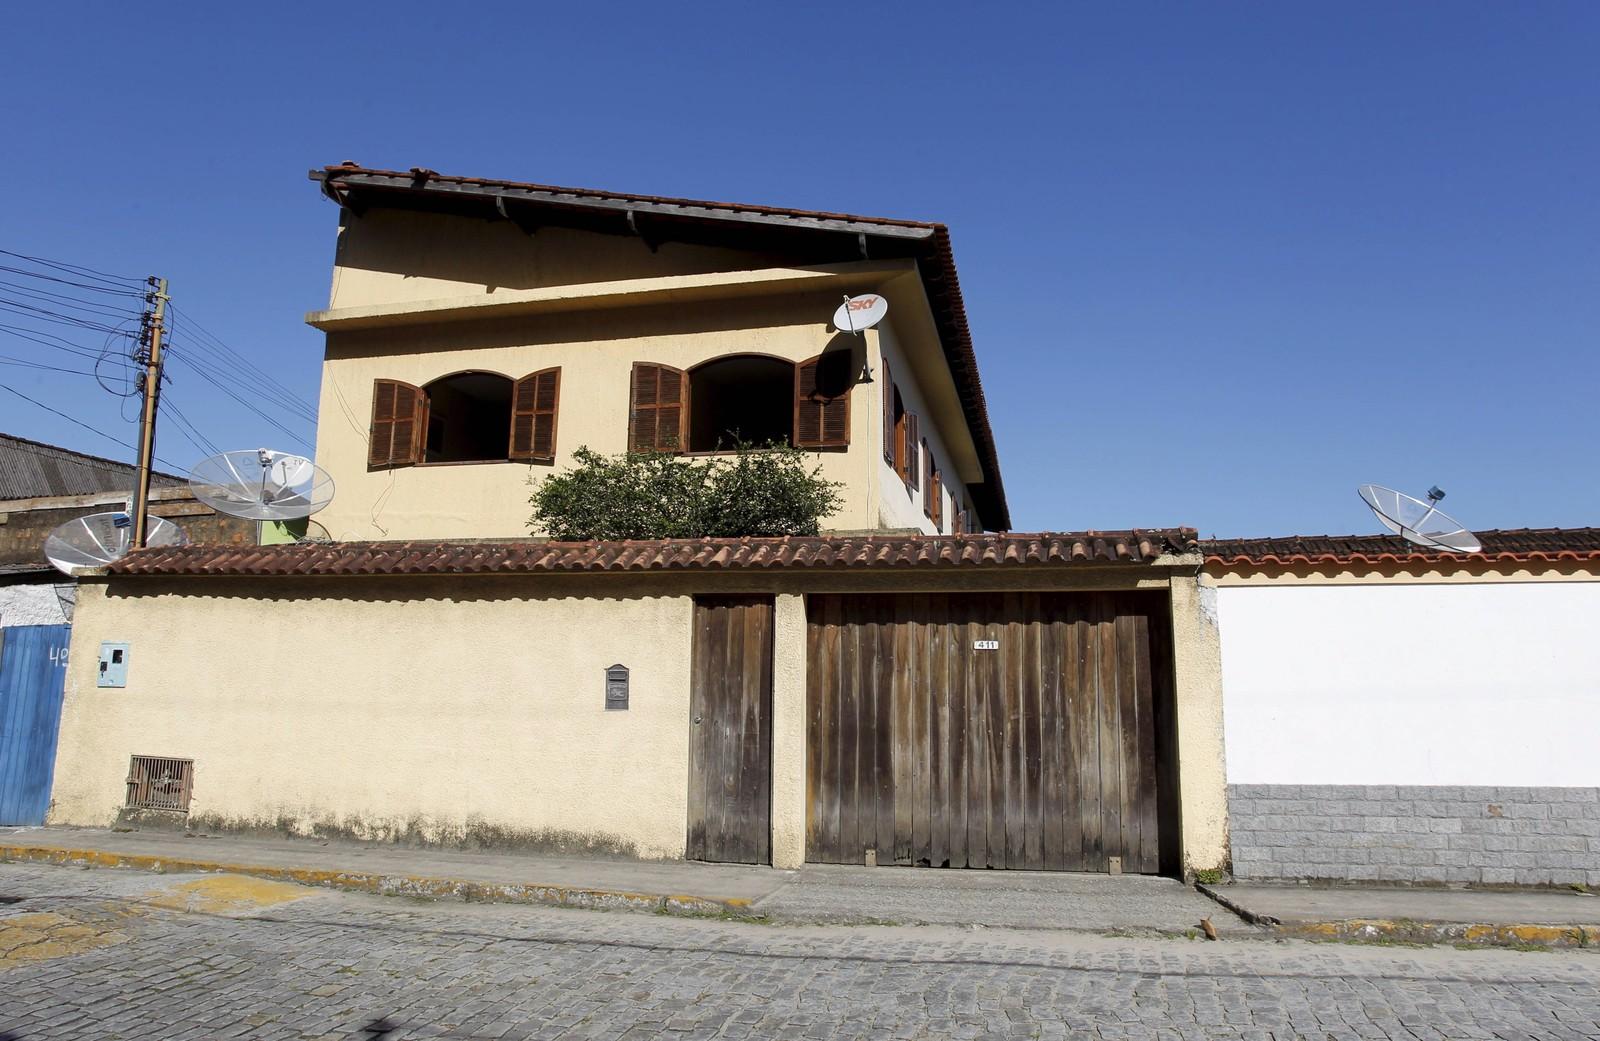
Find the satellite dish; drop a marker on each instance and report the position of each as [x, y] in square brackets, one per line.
[99, 538]
[1420, 522]
[260, 484]
[860, 312]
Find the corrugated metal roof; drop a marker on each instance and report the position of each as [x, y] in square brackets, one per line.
[852, 552]
[32, 469]
[1515, 544]
[929, 242]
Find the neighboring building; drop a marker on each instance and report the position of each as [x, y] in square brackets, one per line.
[43, 486]
[1400, 715]
[909, 687]
[479, 331]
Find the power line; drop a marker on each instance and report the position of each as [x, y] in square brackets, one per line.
[233, 357]
[247, 404]
[7, 359]
[74, 269]
[188, 429]
[81, 423]
[291, 405]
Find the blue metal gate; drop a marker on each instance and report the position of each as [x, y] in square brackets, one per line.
[33, 672]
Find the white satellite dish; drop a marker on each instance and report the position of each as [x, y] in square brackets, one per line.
[1420, 522]
[100, 538]
[860, 312]
[260, 484]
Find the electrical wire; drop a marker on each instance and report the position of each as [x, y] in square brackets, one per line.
[75, 269]
[7, 359]
[81, 423]
[187, 428]
[251, 407]
[208, 366]
[230, 356]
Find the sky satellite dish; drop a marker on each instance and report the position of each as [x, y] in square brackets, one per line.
[99, 538]
[1420, 522]
[860, 312]
[260, 484]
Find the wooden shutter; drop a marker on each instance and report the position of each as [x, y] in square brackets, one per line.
[958, 518]
[534, 404]
[912, 475]
[397, 424]
[658, 408]
[936, 485]
[822, 401]
[888, 412]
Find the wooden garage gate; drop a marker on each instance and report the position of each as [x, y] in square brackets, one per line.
[1015, 730]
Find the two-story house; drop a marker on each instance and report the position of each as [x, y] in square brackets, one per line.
[479, 331]
[913, 687]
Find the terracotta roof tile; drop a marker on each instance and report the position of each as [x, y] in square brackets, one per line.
[1518, 544]
[833, 551]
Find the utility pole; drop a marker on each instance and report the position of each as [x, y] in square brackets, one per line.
[147, 418]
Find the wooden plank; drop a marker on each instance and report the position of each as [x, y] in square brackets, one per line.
[849, 733]
[885, 793]
[1128, 732]
[1032, 730]
[1149, 824]
[977, 740]
[702, 768]
[1114, 841]
[998, 734]
[1086, 718]
[724, 844]
[1052, 735]
[897, 617]
[956, 694]
[921, 708]
[935, 613]
[829, 852]
[1011, 695]
[757, 779]
[1166, 737]
[816, 669]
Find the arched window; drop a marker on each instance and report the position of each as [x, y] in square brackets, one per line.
[469, 418]
[741, 398]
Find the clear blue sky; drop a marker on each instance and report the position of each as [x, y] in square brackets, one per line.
[1222, 262]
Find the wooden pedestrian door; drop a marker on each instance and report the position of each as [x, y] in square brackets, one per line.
[994, 730]
[730, 731]
[33, 670]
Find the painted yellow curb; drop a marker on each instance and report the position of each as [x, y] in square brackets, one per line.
[1408, 931]
[389, 885]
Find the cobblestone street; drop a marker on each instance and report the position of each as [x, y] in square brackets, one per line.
[106, 954]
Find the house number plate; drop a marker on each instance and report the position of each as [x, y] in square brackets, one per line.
[986, 645]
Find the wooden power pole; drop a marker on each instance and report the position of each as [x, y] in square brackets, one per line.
[147, 418]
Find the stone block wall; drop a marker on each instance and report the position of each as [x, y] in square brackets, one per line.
[1421, 834]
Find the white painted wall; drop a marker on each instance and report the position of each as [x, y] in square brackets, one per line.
[1461, 684]
[30, 604]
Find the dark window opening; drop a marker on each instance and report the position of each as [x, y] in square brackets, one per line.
[736, 399]
[469, 416]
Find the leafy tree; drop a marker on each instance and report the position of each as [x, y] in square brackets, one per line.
[755, 490]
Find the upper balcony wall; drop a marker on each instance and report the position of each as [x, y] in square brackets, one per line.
[399, 256]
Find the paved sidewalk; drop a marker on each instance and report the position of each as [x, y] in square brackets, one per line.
[1553, 917]
[829, 895]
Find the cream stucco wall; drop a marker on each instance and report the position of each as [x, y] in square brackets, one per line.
[390, 706]
[653, 308]
[898, 505]
[471, 707]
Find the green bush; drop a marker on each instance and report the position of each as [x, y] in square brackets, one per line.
[754, 490]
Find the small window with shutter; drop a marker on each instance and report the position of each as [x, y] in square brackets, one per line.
[399, 412]
[891, 402]
[822, 401]
[534, 405]
[913, 471]
[657, 408]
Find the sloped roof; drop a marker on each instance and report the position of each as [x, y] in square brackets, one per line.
[32, 469]
[832, 551]
[1515, 544]
[357, 187]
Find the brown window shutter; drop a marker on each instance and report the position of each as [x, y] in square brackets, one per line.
[658, 408]
[534, 404]
[912, 474]
[397, 423]
[822, 401]
[888, 412]
[958, 518]
[927, 480]
[937, 513]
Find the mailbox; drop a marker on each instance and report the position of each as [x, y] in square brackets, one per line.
[113, 665]
[617, 688]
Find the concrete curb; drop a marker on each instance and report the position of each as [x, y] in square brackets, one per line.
[1401, 930]
[393, 885]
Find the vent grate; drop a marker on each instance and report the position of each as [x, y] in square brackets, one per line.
[158, 783]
